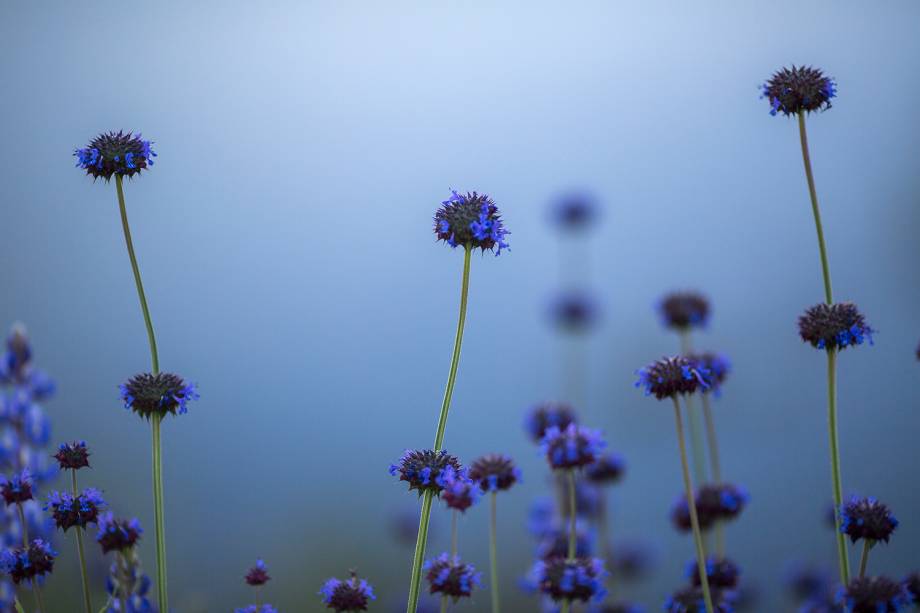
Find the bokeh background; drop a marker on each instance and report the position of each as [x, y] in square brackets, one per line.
[285, 240]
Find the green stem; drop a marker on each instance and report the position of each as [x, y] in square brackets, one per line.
[864, 558]
[25, 526]
[453, 534]
[816, 211]
[842, 556]
[493, 551]
[573, 540]
[691, 506]
[693, 418]
[714, 466]
[87, 602]
[415, 580]
[443, 604]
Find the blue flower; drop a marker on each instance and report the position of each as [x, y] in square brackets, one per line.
[350, 595]
[548, 414]
[684, 310]
[450, 577]
[574, 211]
[422, 469]
[690, 600]
[718, 367]
[721, 573]
[874, 595]
[670, 377]
[17, 488]
[258, 574]
[27, 564]
[115, 153]
[68, 511]
[459, 491]
[571, 448]
[867, 518]
[799, 89]
[470, 219]
[574, 311]
[607, 470]
[148, 394]
[563, 579]
[73, 456]
[117, 534]
[495, 471]
[127, 581]
[834, 326]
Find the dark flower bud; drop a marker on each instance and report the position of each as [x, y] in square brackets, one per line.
[460, 492]
[874, 595]
[721, 573]
[117, 534]
[606, 470]
[258, 574]
[690, 600]
[451, 577]
[73, 456]
[147, 394]
[834, 326]
[352, 595]
[571, 448]
[470, 219]
[714, 502]
[115, 153]
[866, 518]
[684, 310]
[574, 211]
[422, 469]
[574, 312]
[68, 511]
[16, 489]
[670, 377]
[15, 361]
[792, 91]
[25, 564]
[546, 415]
[495, 472]
[563, 579]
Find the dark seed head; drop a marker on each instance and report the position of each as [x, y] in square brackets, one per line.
[148, 394]
[574, 211]
[671, 377]
[470, 219]
[73, 456]
[684, 310]
[834, 326]
[563, 579]
[450, 577]
[117, 534]
[571, 448]
[424, 469]
[115, 153]
[17, 488]
[258, 574]
[606, 470]
[351, 595]
[874, 595]
[548, 414]
[714, 502]
[867, 518]
[574, 311]
[25, 564]
[494, 472]
[721, 573]
[797, 89]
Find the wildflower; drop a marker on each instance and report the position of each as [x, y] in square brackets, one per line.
[632, 560]
[350, 595]
[25, 564]
[867, 518]
[16, 489]
[834, 326]
[563, 579]
[874, 595]
[803, 88]
[668, 377]
[147, 394]
[721, 573]
[470, 219]
[912, 584]
[555, 544]
[115, 153]
[807, 581]
[717, 365]
[495, 472]
[69, 511]
[571, 448]
[421, 469]
[72, 456]
[574, 312]
[258, 574]
[574, 211]
[117, 534]
[719, 502]
[460, 492]
[690, 600]
[606, 470]
[684, 310]
[127, 580]
[546, 415]
[449, 576]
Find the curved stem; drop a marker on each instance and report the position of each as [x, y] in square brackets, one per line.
[87, 602]
[864, 558]
[691, 506]
[418, 557]
[493, 551]
[816, 211]
[842, 556]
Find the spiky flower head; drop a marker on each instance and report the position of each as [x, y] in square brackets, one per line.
[579, 579]
[26, 564]
[460, 491]
[797, 89]
[574, 311]
[874, 595]
[147, 394]
[73, 456]
[117, 534]
[606, 470]
[470, 219]
[17, 488]
[495, 471]
[421, 469]
[351, 595]
[721, 573]
[690, 600]
[684, 310]
[546, 415]
[115, 153]
[68, 511]
[912, 584]
[867, 518]
[573, 447]
[258, 574]
[574, 211]
[714, 502]
[717, 365]
[450, 577]
[834, 326]
[670, 377]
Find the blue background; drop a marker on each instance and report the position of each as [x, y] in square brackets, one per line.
[285, 240]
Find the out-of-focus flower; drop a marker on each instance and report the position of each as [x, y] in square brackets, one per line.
[574, 311]
[607, 470]
[27, 564]
[574, 211]
[867, 518]
[684, 310]
[571, 448]
[450, 577]
[460, 492]
[874, 595]
[117, 534]
[714, 502]
[546, 415]
[580, 579]
[721, 573]
[258, 574]
[670, 377]
[495, 471]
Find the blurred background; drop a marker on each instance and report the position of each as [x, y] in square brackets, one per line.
[286, 243]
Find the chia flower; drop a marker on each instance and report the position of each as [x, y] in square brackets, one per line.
[867, 518]
[721, 573]
[668, 377]
[684, 310]
[571, 448]
[912, 585]
[460, 492]
[114, 153]
[606, 470]
[450, 577]
[714, 502]
[72, 456]
[548, 414]
[147, 394]
[717, 365]
[690, 600]
[16, 489]
[555, 544]
[68, 511]
[803, 88]
[495, 472]
[421, 469]
[822, 603]
[470, 219]
[874, 595]
[127, 581]
[117, 534]
[834, 326]
[28, 564]
[574, 211]
[574, 312]
[350, 595]
[563, 579]
[258, 574]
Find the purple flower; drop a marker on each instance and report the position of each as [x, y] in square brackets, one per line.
[421, 469]
[799, 89]
[460, 492]
[16, 489]
[571, 448]
[471, 219]
[563, 579]
[69, 511]
[73, 456]
[670, 377]
[148, 394]
[351, 595]
[115, 153]
[258, 574]
[29, 563]
[450, 577]
[495, 471]
[117, 534]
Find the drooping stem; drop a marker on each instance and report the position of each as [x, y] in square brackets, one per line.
[864, 558]
[87, 603]
[493, 551]
[842, 556]
[816, 211]
[691, 506]
[693, 418]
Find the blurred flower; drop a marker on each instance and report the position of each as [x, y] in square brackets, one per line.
[912, 584]
[684, 310]
[421, 469]
[555, 543]
[563, 579]
[714, 502]
[690, 600]
[540, 516]
[27, 564]
[606, 470]
[265, 608]
[460, 492]
[574, 311]
[148, 394]
[126, 580]
[874, 595]
[117, 534]
[632, 561]
[806, 581]
[470, 219]
[574, 211]
[571, 448]
[548, 414]
[668, 377]
[68, 511]
[403, 525]
[114, 153]
[258, 574]
[721, 573]
[351, 595]
[803, 88]
[495, 472]
[617, 607]
[72, 456]
[834, 326]
[822, 603]
[450, 577]
[866, 518]
[918, 352]
[716, 365]
[16, 489]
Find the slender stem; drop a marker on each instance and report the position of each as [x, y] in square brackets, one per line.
[87, 602]
[714, 465]
[573, 540]
[415, 581]
[25, 526]
[39, 603]
[812, 192]
[693, 418]
[864, 558]
[691, 505]
[258, 597]
[842, 556]
[443, 604]
[453, 533]
[493, 551]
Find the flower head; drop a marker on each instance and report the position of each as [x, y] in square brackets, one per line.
[912, 584]
[18, 488]
[72, 456]
[68, 511]
[867, 518]
[148, 394]
[574, 312]
[684, 310]
[258, 574]
[717, 365]
[117, 534]
[351, 595]
[874, 595]
[548, 414]
[421, 469]
[803, 88]
[115, 153]
[606, 470]
[470, 219]
[571, 448]
[450, 577]
[574, 211]
[564, 579]
[495, 471]
[670, 377]
[460, 492]
[690, 600]
[25, 564]
[714, 502]
[834, 326]
[721, 573]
